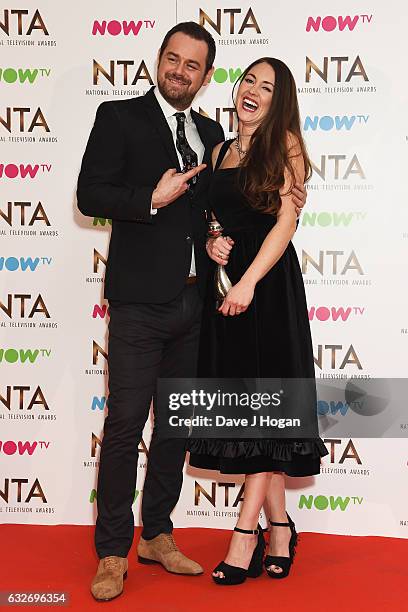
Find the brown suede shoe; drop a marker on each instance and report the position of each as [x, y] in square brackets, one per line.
[163, 549]
[108, 582]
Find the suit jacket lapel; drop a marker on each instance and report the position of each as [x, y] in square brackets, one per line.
[160, 124]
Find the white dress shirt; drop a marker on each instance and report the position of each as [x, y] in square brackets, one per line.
[194, 141]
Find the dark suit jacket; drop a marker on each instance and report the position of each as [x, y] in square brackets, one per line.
[129, 148]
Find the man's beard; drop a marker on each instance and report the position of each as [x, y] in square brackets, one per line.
[175, 96]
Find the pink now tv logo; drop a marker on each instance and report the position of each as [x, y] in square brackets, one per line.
[115, 27]
[324, 313]
[23, 171]
[10, 447]
[329, 23]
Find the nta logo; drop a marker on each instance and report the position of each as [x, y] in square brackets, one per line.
[16, 397]
[96, 351]
[339, 167]
[19, 209]
[225, 20]
[329, 352]
[216, 486]
[97, 259]
[350, 451]
[26, 305]
[355, 70]
[16, 118]
[142, 73]
[35, 491]
[330, 23]
[21, 22]
[332, 260]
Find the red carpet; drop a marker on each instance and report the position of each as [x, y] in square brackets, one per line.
[333, 573]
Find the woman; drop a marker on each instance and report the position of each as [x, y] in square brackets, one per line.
[262, 327]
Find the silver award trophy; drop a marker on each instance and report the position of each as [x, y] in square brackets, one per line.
[222, 283]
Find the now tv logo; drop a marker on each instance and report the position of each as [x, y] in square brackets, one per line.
[12, 355]
[323, 313]
[336, 219]
[329, 23]
[11, 75]
[322, 502]
[23, 263]
[13, 448]
[115, 27]
[100, 311]
[23, 171]
[335, 408]
[328, 123]
[98, 403]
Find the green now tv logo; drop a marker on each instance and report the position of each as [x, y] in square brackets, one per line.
[12, 355]
[226, 75]
[334, 219]
[321, 502]
[23, 75]
[101, 221]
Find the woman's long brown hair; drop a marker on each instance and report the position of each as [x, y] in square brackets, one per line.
[262, 171]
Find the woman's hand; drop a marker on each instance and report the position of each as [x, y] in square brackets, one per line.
[237, 299]
[218, 249]
[299, 195]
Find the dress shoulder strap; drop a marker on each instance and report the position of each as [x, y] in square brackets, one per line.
[223, 149]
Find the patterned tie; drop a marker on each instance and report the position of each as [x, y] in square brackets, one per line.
[188, 155]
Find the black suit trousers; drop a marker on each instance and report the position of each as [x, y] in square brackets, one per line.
[146, 341]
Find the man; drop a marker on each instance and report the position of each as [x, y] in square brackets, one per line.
[147, 166]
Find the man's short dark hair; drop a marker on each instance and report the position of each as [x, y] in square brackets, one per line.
[192, 29]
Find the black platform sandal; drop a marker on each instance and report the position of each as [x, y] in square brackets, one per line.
[238, 575]
[283, 562]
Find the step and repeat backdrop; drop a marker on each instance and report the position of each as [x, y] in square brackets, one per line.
[58, 62]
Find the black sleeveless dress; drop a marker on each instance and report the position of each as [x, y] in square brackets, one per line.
[270, 340]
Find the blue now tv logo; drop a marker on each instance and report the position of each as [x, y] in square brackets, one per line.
[98, 403]
[12, 264]
[327, 123]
